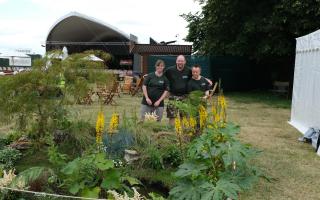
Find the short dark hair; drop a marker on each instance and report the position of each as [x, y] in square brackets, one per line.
[196, 66]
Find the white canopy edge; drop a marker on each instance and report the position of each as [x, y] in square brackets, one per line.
[308, 42]
[87, 18]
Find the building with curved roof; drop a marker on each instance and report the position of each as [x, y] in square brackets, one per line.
[79, 32]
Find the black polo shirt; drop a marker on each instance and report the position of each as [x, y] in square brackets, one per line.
[201, 85]
[178, 80]
[156, 85]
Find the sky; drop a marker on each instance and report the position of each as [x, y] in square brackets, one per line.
[26, 23]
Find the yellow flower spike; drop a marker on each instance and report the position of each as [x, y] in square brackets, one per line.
[193, 124]
[99, 127]
[185, 122]
[114, 123]
[222, 102]
[203, 116]
[220, 118]
[177, 125]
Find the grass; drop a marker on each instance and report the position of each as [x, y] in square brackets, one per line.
[267, 98]
[263, 119]
[293, 165]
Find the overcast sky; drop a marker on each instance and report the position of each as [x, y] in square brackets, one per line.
[25, 23]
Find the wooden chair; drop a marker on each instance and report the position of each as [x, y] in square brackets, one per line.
[107, 96]
[87, 100]
[126, 87]
[135, 88]
[101, 89]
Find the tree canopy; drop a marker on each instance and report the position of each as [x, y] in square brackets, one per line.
[252, 28]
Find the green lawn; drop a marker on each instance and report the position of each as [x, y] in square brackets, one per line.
[263, 118]
[293, 165]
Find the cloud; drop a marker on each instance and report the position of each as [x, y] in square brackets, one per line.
[143, 18]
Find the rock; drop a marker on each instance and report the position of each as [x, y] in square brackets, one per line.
[59, 136]
[21, 144]
[131, 155]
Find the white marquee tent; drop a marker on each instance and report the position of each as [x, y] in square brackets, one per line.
[17, 59]
[305, 112]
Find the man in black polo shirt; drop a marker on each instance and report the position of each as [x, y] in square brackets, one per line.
[178, 77]
[198, 82]
[155, 88]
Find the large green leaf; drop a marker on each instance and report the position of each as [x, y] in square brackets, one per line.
[71, 167]
[188, 190]
[131, 180]
[91, 193]
[231, 129]
[74, 189]
[245, 179]
[191, 168]
[102, 163]
[111, 179]
[226, 188]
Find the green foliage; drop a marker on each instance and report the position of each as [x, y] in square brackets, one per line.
[190, 105]
[38, 95]
[161, 153]
[10, 137]
[8, 157]
[171, 155]
[217, 166]
[79, 136]
[3, 142]
[56, 158]
[91, 175]
[155, 196]
[258, 29]
[32, 174]
[153, 159]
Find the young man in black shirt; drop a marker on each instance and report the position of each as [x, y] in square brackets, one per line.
[155, 89]
[198, 82]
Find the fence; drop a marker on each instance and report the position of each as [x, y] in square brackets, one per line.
[236, 73]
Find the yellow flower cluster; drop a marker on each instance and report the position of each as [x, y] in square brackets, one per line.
[185, 122]
[193, 124]
[189, 125]
[177, 125]
[114, 123]
[223, 106]
[202, 116]
[99, 127]
[219, 116]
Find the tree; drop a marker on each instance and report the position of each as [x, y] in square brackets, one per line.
[39, 97]
[256, 29]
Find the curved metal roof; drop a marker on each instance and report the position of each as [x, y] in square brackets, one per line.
[77, 27]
